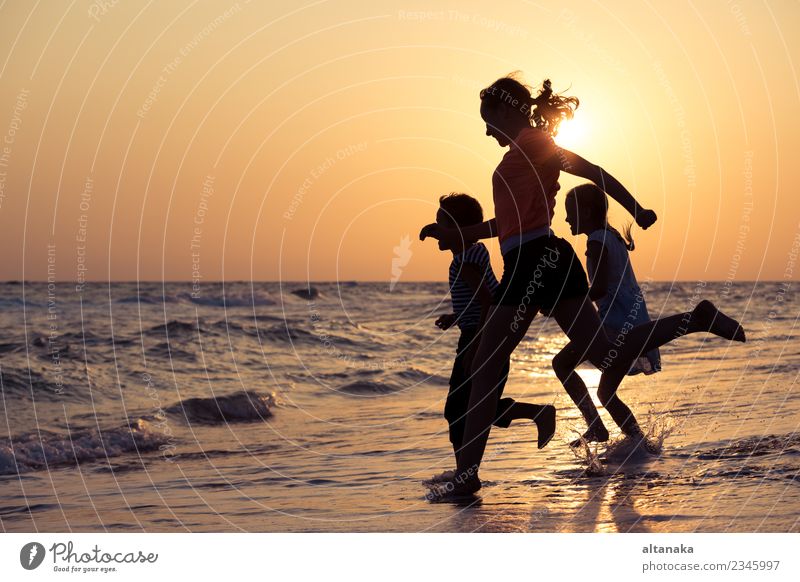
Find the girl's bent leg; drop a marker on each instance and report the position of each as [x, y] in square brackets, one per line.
[643, 338]
[619, 411]
[578, 318]
[564, 364]
[580, 321]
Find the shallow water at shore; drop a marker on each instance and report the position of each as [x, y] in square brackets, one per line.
[252, 408]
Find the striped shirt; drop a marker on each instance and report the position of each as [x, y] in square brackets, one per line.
[466, 304]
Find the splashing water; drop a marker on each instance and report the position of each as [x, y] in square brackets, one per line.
[627, 449]
[587, 455]
[659, 426]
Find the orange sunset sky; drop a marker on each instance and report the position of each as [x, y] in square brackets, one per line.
[267, 140]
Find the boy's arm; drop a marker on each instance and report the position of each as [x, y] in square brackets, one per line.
[446, 321]
[578, 166]
[598, 288]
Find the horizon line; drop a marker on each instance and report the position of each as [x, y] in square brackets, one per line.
[327, 281]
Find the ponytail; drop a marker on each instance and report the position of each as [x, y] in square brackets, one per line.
[626, 237]
[549, 109]
[546, 111]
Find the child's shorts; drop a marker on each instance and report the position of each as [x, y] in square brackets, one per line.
[457, 405]
[540, 273]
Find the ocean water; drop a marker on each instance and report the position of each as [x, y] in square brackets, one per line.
[266, 407]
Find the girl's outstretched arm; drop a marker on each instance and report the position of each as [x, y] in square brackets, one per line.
[578, 166]
[479, 231]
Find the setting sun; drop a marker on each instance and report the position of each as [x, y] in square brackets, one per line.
[573, 134]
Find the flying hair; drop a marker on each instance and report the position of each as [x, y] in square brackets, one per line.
[546, 111]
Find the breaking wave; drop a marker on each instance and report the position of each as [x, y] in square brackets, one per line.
[307, 293]
[228, 299]
[241, 406]
[755, 447]
[176, 327]
[35, 451]
[368, 388]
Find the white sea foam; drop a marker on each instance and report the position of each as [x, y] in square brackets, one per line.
[35, 451]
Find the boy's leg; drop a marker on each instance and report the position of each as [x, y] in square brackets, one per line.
[454, 411]
[455, 408]
[509, 409]
[506, 410]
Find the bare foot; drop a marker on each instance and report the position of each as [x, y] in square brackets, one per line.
[440, 478]
[546, 424]
[709, 318]
[593, 435]
[462, 486]
[643, 442]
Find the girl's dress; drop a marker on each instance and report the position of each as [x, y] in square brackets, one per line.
[623, 307]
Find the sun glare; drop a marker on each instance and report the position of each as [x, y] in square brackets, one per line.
[572, 134]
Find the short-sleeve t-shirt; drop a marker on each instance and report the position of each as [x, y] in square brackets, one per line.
[525, 184]
[466, 305]
[624, 302]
